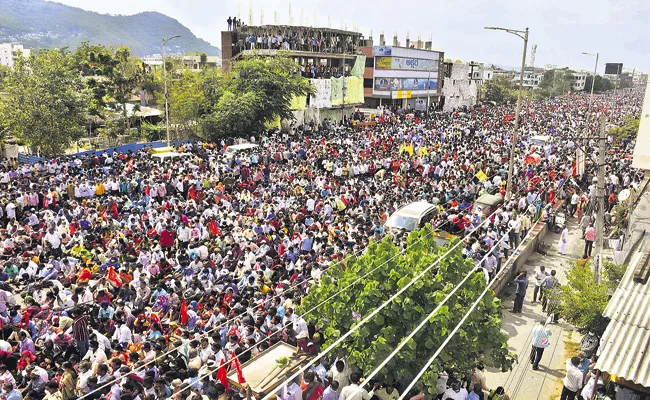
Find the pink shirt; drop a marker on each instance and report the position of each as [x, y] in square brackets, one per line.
[590, 234]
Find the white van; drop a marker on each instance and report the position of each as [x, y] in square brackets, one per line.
[411, 217]
[236, 148]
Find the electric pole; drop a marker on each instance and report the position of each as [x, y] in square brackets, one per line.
[600, 200]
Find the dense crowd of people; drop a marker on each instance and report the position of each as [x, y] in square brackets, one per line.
[124, 277]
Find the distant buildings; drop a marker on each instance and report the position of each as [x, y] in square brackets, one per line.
[9, 53]
[191, 62]
[532, 77]
[461, 83]
[407, 77]
[578, 80]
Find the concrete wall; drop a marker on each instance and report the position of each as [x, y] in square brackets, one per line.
[458, 90]
[526, 248]
[318, 115]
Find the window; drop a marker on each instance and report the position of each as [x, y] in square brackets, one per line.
[370, 62]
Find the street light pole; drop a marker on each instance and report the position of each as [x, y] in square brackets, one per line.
[164, 41]
[511, 163]
[593, 79]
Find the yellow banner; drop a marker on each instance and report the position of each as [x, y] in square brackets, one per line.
[481, 176]
[383, 62]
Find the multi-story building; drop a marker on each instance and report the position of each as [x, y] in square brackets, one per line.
[191, 62]
[461, 82]
[9, 52]
[331, 59]
[401, 76]
[532, 77]
[639, 79]
[578, 80]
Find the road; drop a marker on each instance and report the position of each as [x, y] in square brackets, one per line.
[522, 382]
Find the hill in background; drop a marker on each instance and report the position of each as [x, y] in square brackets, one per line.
[41, 24]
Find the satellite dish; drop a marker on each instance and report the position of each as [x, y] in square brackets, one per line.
[624, 195]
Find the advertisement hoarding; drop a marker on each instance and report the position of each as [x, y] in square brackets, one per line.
[412, 64]
[613, 68]
[381, 50]
[383, 63]
[415, 64]
[405, 83]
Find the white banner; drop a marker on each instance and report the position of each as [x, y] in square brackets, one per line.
[323, 95]
[642, 147]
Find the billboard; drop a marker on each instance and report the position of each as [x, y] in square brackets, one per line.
[405, 84]
[413, 64]
[383, 62]
[421, 104]
[382, 50]
[613, 68]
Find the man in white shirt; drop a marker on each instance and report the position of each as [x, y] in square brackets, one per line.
[353, 391]
[572, 380]
[122, 333]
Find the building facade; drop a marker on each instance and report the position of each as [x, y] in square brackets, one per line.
[460, 88]
[193, 62]
[404, 77]
[578, 80]
[9, 53]
[532, 77]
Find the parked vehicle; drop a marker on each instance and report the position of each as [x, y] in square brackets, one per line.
[411, 217]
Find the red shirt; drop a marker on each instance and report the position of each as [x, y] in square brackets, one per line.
[167, 238]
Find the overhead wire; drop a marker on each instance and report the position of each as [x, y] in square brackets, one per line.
[462, 321]
[234, 318]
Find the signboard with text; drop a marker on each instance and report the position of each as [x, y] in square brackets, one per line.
[405, 83]
[412, 64]
[382, 50]
[383, 63]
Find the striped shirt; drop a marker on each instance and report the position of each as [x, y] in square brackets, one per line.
[80, 329]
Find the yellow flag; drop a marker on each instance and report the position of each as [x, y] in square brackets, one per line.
[481, 176]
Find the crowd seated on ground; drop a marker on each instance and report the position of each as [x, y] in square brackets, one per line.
[124, 277]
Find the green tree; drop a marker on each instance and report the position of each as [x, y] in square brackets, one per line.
[613, 274]
[45, 101]
[274, 81]
[113, 76]
[584, 300]
[500, 89]
[600, 84]
[628, 129]
[480, 338]
[4, 72]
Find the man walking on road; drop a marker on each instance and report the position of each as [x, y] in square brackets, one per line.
[547, 285]
[590, 236]
[539, 277]
[572, 381]
[522, 284]
[540, 341]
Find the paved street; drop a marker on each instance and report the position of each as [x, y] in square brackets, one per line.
[522, 382]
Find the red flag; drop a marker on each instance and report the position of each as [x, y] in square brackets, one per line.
[24, 321]
[111, 275]
[222, 374]
[214, 229]
[184, 312]
[114, 213]
[240, 375]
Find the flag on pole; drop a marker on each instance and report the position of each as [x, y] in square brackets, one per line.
[184, 312]
[240, 375]
[111, 275]
[222, 374]
[481, 176]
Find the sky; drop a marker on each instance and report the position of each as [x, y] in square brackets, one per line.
[561, 29]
